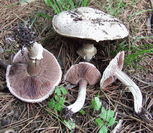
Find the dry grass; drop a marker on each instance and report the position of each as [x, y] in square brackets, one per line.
[34, 118]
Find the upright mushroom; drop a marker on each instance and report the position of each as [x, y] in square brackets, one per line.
[34, 73]
[88, 23]
[114, 71]
[82, 74]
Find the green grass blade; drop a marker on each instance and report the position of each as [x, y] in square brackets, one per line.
[40, 14]
[58, 5]
[52, 5]
[146, 37]
[85, 3]
[71, 3]
[139, 12]
[133, 57]
[64, 5]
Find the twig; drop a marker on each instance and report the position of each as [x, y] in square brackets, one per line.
[118, 127]
[149, 84]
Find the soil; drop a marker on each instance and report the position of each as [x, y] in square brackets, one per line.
[17, 116]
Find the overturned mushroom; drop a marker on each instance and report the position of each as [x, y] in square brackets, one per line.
[35, 71]
[82, 74]
[33, 76]
[114, 71]
[88, 23]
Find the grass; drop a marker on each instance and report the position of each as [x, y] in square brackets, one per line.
[114, 8]
[139, 12]
[59, 6]
[137, 53]
[66, 5]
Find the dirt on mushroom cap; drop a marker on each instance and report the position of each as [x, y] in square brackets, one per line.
[89, 23]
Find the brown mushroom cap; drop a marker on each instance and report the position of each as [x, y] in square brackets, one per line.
[33, 88]
[83, 70]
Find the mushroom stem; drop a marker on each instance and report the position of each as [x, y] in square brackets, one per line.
[132, 87]
[33, 68]
[78, 104]
[35, 53]
[88, 47]
[87, 51]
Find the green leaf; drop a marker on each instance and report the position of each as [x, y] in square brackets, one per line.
[96, 103]
[64, 91]
[111, 122]
[61, 101]
[52, 103]
[103, 129]
[69, 124]
[58, 107]
[82, 112]
[58, 91]
[57, 97]
[103, 113]
[99, 122]
[110, 114]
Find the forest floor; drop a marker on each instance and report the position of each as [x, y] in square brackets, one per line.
[24, 117]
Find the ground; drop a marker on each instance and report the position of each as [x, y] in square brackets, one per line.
[35, 117]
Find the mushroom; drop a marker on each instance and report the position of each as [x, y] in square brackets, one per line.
[34, 74]
[88, 23]
[82, 74]
[114, 71]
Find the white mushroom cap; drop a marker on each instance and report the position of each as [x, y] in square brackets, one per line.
[33, 88]
[89, 23]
